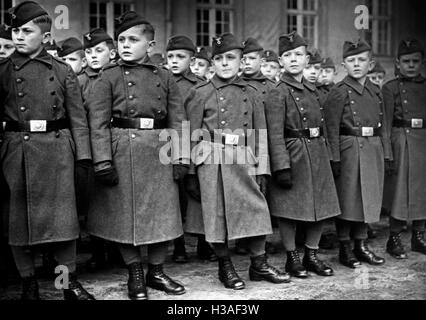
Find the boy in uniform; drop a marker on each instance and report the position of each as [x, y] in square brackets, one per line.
[359, 145]
[313, 69]
[71, 52]
[377, 75]
[45, 132]
[270, 67]
[202, 63]
[6, 44]
[135, 201]
[404, 99]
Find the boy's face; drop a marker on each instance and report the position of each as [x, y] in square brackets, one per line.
[326, 76]
[252, 63]
[410, 65]
[210, 73]
[270, 69]
[312, 72]
[200, 67]
[179, 60]
[75, 60]
[294, 61]
[227, 65]
[28, 38]
[358, 65]
[6, 48]
[98, 56]
[377, 78]
[133, 46]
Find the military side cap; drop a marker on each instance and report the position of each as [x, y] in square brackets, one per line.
[180, 43]
[68, 46]
[315, 56]
[328, 63]
[353, 48]
[270, 56]
[378, 68]
[51, 46]
[226, 42]
[25, 12]
[202, 53]
[290, 41]
[127, 20]
[5, 32]
[410, 46]
[251, 45]
[94, 37]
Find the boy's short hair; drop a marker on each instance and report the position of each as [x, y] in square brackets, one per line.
[44, 22]
[147, 30]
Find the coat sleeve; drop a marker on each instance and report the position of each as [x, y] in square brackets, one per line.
[99, 104]
[389, 107]
[275, 110]
[77, 116]
[261, 137]
[333, 110]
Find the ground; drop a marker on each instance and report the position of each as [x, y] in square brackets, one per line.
[396, 279]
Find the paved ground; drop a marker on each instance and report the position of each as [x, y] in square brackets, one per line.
[404, 279]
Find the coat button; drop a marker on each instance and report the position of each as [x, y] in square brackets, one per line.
[53, 93]
[159, 111]
[264, 82]
[155, 71]
[222, 110]
[158, 84]
[221, 98]
[26, 137]
[52, 78]
[245, 99]
[16, 67]
[130, 84]
[133, 136]
[126, 72]
[304, 119]
[223, 123]
[406, 111]
[292, 90]
[349, 91]
[22, 108]
[54, 106]
[404, 91]
[352, 102]
[20, 94]
[245, 124]
[131, 97]
[302, 109]
[405, 101]
[19, 80]
[132, 110]
[159, 97]
[244, 89]
[297, 99]
[246, 112]
[354, 112]
[408, 131]
[264, 92]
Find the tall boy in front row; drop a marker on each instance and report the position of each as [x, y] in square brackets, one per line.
[45, 131]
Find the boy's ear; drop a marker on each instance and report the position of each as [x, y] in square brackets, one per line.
[192, 61]
[151, 45]
[112, 54]
[371, 65]
[84, 62]
[308, 58]
[47, 36]
[280, 62]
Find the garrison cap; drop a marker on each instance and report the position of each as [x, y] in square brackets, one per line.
[251, 45]
[180, 43]
[410, 46]
[69, 46]
[378, 68]
[225, 42]
[127, 20]
[202, 53]
[353, 48]
[315, 56]
[270, 56]
[328, 63]
[51, 46]
[290, 41]
[94, 37]
[5, 32]
[25, 12]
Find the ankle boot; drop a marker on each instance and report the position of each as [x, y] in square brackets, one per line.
[136, 284]
[346, 255]
[75, 290]
[260, 269]
[228, 276]
[179, 252]
[363, 253]
[157, 279]
[418, 242]
[293, 265]
[394, 246]
[312, 263]
[30, 289]
[205, 251]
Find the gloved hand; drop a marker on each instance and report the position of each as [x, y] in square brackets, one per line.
[107, 176]
[336, 167]
[283, 178]
[389, 167]
[262, 181]
[180, 171]
[192, 186]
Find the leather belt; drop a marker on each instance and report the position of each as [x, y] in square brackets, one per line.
[360, 132]
[310, 133]
[139, 123]
[36, 125]
[227, 139]
[411, 123]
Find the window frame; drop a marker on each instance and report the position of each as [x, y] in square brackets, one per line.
[300, 13]
[375, 20]
[109, 15]
[3, 10]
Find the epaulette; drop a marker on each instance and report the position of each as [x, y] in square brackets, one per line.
[57, 59]
[252, 86]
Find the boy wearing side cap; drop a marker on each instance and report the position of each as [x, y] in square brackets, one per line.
[45, 132]
[71, 52]
[326, 77]
[6, 44]
[228, 169]
[202, 63]
[377, 75]
[313, 69]
[271, 65]
[404, 99]
[51, 48]
[360, 147]
[302, 188]
[135, 201]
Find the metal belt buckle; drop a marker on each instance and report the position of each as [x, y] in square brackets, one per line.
[38, 125]
[146, 123]
[231, 139]
[314, 132]
[367, 131]
[417, 123]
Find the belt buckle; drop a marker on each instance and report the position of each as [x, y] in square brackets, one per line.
[367, 131]
[38, 125]
[146, 123]
[417, 123]
[232, 139]
[314, 132]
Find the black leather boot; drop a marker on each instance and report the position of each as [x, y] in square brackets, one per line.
[75, 290]
[30, 289]
[418, 242]
[136, 284]
[205, 251]
[179, 252]
[157, 279]
[394, 246]
[294, 266]
[346, 255]
[260, 270]
[312, 263]
[363, 253]
[228, 276]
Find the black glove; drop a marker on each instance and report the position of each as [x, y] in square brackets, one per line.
[107, 176]
[180, 171]
[283, 178]
[389, 167]
[192, 186]
[262, 181]
[336, 167]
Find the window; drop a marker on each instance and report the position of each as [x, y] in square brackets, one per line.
[214, 17]
[302, 16]
[4, 15]
[103, 12]
[379, 32]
